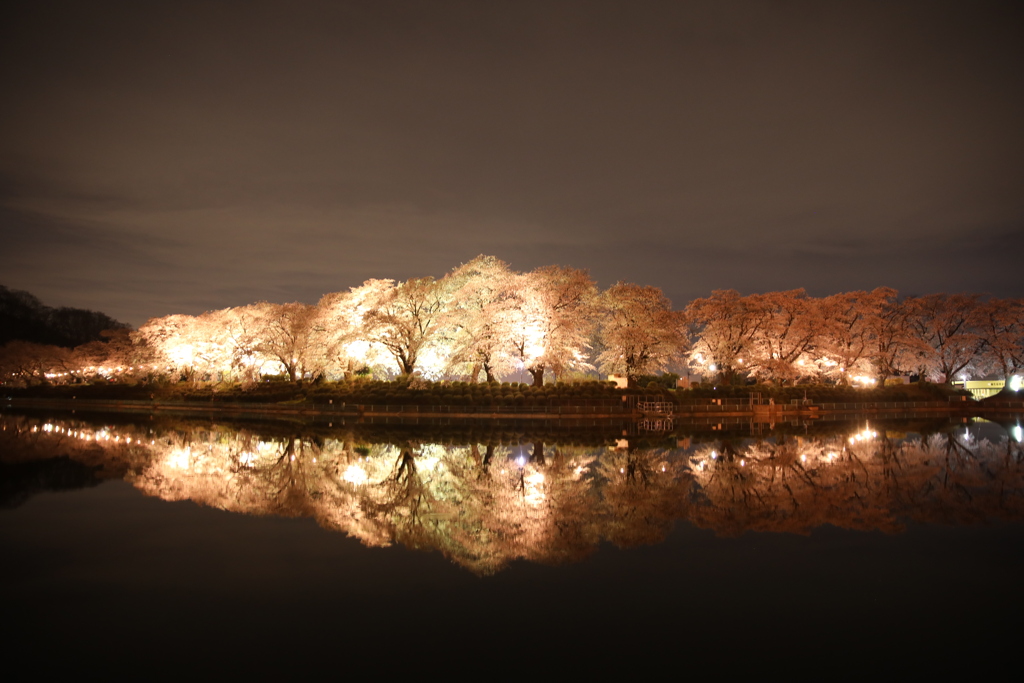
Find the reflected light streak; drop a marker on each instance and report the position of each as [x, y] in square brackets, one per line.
[180, 458]
[533, 493]
[355, 475]
[449, 502]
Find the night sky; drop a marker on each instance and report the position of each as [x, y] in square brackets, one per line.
[176, 157]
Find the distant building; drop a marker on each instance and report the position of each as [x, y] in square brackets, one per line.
[621, 381]
[981, 388]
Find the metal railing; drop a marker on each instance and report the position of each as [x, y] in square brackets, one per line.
[656, 406]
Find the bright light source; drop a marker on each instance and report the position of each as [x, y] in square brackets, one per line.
[1015, 383]
[355, 475]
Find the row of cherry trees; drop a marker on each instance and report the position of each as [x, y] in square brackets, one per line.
[485, 321]
[788, 336]
[481, 320]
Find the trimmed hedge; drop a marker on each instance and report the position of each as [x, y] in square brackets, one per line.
[376, 392]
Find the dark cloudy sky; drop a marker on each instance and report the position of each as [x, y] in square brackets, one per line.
[175, 157]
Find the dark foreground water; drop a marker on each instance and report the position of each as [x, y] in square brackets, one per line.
[162, 548]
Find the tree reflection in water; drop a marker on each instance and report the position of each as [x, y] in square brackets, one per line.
[485, 505]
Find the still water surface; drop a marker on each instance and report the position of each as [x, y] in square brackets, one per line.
[294, 543]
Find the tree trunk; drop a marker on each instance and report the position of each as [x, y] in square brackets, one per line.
[538, 453]
[538, 375]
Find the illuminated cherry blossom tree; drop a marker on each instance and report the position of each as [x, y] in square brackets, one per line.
[285, 336]
[117, 354]
[338, 333]
[187, 344]
[482, 317]
[786, 338]
[898, 348]
[407, 320]
[640, 332]
[556, 317]
[1001, 324]
[27, 363]
[849, 324]
[949, 325]
[723, 327]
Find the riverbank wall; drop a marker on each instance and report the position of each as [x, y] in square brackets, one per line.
[764, 413]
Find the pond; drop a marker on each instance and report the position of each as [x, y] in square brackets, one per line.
[283, 544]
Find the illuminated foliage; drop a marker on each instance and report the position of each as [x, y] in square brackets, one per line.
[485, 505]
[849, 325]
[558, 318]
[724, 326]
[1001, 324]
[854, 337]
[640, 332]
[949, 327]
[787, 337]
[26, 363]
[337, 333]
[485, 312]
[484, 320]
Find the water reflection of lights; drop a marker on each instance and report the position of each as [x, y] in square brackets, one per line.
[180, 458]
[355, 475]
[865, 434]
[533, 492]
[103, 434]
[483, 521]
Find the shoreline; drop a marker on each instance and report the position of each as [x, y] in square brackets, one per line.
[415, 412]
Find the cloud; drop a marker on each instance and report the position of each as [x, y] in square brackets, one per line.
[175, 159]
